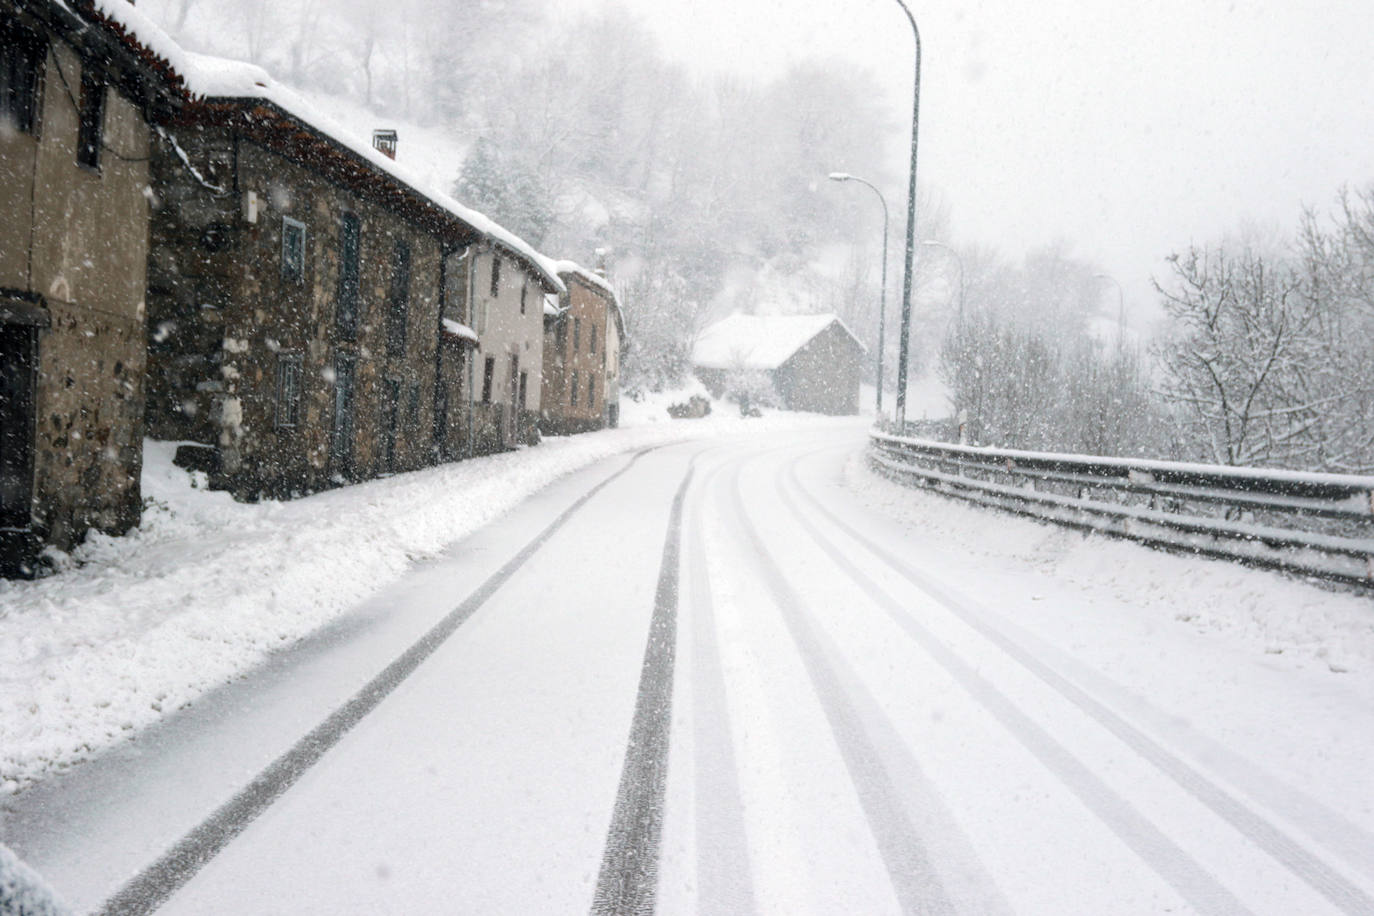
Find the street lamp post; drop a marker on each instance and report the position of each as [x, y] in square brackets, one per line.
[903, 352]
[882, 301]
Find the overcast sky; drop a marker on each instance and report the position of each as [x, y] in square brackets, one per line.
[1125, 129]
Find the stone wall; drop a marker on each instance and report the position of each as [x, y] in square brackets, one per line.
[229, 314]
[576, 344]
[74, 243]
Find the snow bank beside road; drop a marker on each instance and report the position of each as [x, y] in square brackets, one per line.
[141, 625]
[1288, 622]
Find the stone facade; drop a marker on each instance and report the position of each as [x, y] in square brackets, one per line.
[277, 301]
[295, 323]
[73, 250]
[581, 358]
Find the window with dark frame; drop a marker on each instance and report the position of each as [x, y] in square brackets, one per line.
[88, 135]
[572, 394]
[488, 376]
[495, 274]
[346, 312]
[18, 390]
[288, 390]
[440, 420]
[399, 300]
[577, 334]
[21, 67]
[591, 338]
[391, 409]
[341, 444]
[292, 249]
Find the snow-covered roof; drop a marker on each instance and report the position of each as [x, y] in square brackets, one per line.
[147, 46]
[582, 273]
[572, 268]
[759, 341]
[551, 309]
[201, 77]
[209, 77]
[460, 331]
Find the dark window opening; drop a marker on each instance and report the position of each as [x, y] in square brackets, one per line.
[577, 334]
[341, 446]
[572, 396]
[441, 420]
[591, 390]
[88, 137]
[21, 66]
[524, 390]
[524, 292]
[346, 314]
[292, 249]
[18, 345]
[591, 338]
[400, 300]
[512, 393]
[391, 408]
[288, 390]
[488, 374]
[495, 274]
[561, 338]
[413, 408]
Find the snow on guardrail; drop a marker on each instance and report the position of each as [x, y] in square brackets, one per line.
[1312, 524]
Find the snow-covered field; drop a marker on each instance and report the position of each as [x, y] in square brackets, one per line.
[138, 626]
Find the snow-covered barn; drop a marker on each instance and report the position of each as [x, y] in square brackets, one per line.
[813, 361]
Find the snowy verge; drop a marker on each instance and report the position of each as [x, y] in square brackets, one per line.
[23, 892]
[138, 626]
[1290, 622]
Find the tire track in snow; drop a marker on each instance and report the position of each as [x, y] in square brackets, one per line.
[1180, 870]
[723, 870]
[915, 880]
[149, 889]
[628, 879]
[1343, 893]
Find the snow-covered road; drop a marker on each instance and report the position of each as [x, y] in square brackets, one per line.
[745, 675]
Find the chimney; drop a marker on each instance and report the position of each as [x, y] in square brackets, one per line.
[601, 257]
[385, 140]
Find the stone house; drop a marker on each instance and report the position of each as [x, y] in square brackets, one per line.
[302, 296]
[77, 90]
[813, 362]
[583, 338]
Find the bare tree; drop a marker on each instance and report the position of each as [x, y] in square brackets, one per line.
[1242, 361]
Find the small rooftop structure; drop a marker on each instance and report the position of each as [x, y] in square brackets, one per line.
[385, 142]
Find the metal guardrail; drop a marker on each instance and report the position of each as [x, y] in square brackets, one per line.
[1318, 525]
